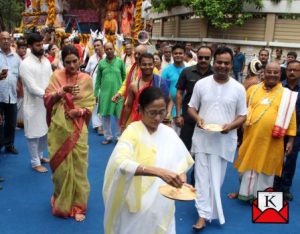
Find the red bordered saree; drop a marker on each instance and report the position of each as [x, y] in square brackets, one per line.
[67, 145]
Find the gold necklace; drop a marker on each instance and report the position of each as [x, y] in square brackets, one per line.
[251, 109]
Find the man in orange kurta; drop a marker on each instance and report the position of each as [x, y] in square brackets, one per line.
[261, 155]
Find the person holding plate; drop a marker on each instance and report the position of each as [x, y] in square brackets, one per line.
[217, 99]
[139, 165]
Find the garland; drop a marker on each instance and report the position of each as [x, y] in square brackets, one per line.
[251, 109]
[51, 12]
[36, 13]
[137, 19]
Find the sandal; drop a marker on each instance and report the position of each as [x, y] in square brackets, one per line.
[45, 160]
[233, 195]
[106, 142]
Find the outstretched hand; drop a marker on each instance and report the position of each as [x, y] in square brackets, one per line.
[171, 178]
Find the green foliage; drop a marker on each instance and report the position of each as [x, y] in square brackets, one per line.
[10, 14]
[224, 14]
[162, 5]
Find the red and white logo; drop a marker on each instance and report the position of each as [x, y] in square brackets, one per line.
[270, 207]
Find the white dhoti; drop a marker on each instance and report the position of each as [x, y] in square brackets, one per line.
[209, 176]
[20, 117]
[96, 118]
[36, 147]
[252, 182]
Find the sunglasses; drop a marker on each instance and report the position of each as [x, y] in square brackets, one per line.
[204, 57]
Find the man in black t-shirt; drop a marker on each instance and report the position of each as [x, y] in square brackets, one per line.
[185, 85]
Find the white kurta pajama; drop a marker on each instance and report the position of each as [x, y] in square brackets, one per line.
[133, 204]
[91, 68]
[35, 75]
[216, 104]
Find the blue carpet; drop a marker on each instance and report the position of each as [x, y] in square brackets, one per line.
[25, 200]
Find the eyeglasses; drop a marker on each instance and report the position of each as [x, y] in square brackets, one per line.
[153, 113]
[203, 57]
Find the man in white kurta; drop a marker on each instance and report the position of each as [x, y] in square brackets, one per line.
[217, 99]
[35, 71]
[91, 69]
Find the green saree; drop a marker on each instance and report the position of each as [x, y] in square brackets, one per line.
[67, 144]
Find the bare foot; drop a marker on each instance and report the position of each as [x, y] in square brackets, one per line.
[45, 160]
[200, 224]
[233, 195]
[40, 169]
[79, 217]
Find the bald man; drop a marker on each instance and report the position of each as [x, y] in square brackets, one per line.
[110, 75]
[132, 74]
[128, 57]
[261, 154]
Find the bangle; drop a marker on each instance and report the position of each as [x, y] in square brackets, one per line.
[80, 112]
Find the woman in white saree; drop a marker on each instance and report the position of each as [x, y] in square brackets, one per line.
[148, 155]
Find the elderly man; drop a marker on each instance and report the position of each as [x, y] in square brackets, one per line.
[284, 182]
[9, 74]
[110, 75]
[128, 57]
[221, 100]
[35, 71]
[270, 118]
[167, 58]
[132, 74]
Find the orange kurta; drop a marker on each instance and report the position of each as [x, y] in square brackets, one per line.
[260, 151]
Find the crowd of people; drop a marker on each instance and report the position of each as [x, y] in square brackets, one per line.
[162, 104]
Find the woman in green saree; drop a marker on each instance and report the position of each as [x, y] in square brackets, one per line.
[69, 101]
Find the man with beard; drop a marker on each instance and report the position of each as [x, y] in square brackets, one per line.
[9, 73]
[284, 182]
[185, 85]
[263, 57]
[219, 100]
[271, 117]
[35, 71]
[110, 75]
[171, 75]
[91, 69]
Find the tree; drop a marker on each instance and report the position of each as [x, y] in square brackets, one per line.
[221, 14]
[224, 14]
[10, 14]
[162, 5]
